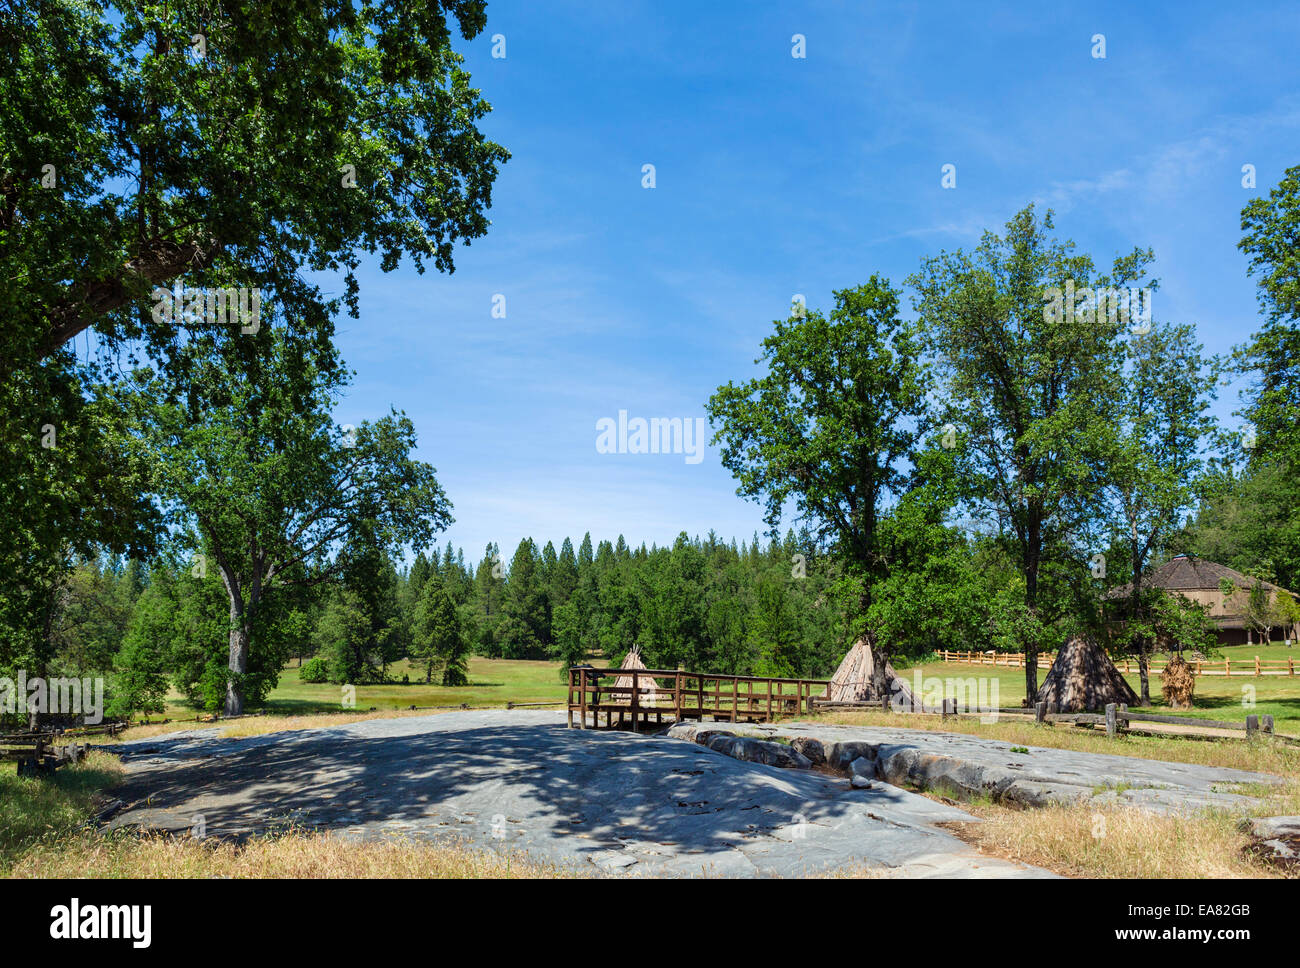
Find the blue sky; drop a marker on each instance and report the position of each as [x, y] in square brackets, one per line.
[776, 176]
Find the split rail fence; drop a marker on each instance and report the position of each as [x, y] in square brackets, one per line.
[37, 753]
[1117, 718]
[679, 695]
[1200, 667]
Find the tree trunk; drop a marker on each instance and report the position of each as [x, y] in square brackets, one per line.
[879, 682]
[1144, 674]
[1031, 640]
[1135, 615]
[238, 662]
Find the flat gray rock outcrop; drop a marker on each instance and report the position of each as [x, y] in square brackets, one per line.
[965, 767]
[607, 803]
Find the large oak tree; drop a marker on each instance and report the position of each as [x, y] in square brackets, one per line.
[830, 429]
[250, 460]
[203, 144]
[1026, 389]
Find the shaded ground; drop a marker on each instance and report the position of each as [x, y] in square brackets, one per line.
[520, 780]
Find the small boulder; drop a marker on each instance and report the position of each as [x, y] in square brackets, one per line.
[840, 755]
[860, 782]
[1271, 828]
[758, 751]
[863, 767]
[809, 747]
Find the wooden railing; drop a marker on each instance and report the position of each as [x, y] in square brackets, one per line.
[1013, 659]
[37, 753]
[680, 695]
[1129, 665]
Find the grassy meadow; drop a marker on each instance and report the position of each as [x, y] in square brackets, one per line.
[492, 682]
[1217, 697]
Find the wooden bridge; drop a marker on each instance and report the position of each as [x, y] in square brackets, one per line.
[628, 698]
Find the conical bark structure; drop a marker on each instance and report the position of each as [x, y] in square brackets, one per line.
[853, 680]
[648, 689]
[1083, 678]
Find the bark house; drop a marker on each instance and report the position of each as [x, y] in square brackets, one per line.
[859, 677]
[1083, 678]
[1199, 580]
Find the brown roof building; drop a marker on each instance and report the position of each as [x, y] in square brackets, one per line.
[1198, 580]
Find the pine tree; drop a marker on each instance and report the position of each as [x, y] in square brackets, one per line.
[564, 578]
[420, 572]
[439, 640]
[489, 591]
[525, 627]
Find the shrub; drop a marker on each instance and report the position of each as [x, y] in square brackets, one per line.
[314, 670]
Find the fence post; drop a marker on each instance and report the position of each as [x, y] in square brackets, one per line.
[582, 700]
[1266, 723]
[1040, 712]
[1112, 720]
[1252, 726]
[570, 699]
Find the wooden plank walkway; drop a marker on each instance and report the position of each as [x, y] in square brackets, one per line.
[634, 698]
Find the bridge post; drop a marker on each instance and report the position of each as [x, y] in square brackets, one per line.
[636, 698]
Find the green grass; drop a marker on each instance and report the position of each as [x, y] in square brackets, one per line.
[1217, 697]
[499, 681]
[48, 809]
[491, 682]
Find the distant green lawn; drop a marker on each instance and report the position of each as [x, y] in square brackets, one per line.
[499, 681]
[1217, 697]
[491, 682]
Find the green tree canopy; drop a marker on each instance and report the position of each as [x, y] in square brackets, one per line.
[1024, 376]
[251, 458]
[830, 428]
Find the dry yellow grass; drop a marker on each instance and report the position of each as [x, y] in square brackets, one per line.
[52, 807]
[1262, 755]
[289, 855]
[261, 725]
[1115, 842]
